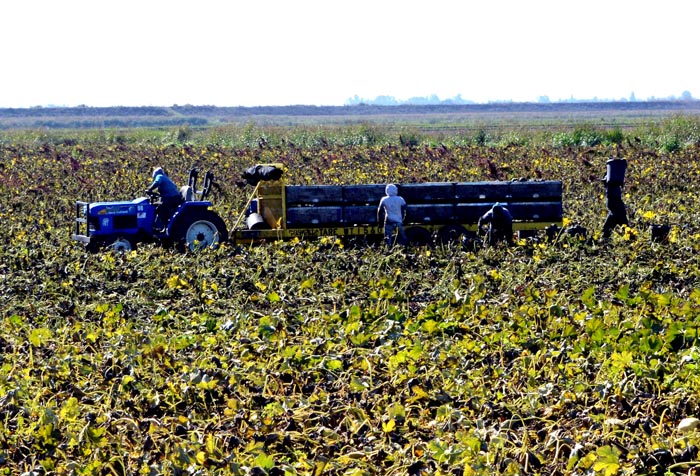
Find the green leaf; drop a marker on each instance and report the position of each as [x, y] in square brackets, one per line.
[397, 411]
[38, 336]
[264, 461]
[388, 426]
[664, 300]
[695, 295]
[307, 284]
[70, 410]
[596, 328]
[623, 293]
[587, 297]
[607, 460]
[273, 297]
[430, 326]
[16, 320]
[357, 385]
[334, 364]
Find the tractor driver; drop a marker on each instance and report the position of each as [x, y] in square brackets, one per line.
[169, 195]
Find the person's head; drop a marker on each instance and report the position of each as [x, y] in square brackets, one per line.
[157, 171]
[391, 190]
[497, 209]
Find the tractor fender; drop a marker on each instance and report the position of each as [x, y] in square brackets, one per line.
[187, 208]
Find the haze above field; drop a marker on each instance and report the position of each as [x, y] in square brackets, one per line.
[135, 53]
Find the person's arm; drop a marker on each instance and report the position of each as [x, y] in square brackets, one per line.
[380, 209]
[483, 219]
[155, 183]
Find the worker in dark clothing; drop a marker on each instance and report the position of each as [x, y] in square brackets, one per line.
[614, 180]
[500, 225]
[169, 195]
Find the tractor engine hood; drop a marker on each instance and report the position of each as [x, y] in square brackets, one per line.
[117, 208]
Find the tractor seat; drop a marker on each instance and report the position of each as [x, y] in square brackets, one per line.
[187, 193]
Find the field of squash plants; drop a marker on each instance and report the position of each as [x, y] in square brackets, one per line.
[573, 356]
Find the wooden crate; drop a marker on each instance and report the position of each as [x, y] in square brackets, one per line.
[539, 211]
[314, 195]
[469, 213]
[549, 190]
[299, 217]
[430, 192]
[476, 192]
[360, 215]
[363, 194]
[430, 214]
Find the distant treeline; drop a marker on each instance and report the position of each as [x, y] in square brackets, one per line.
[150, 116]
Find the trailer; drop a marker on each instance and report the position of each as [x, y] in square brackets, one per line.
[442, 211]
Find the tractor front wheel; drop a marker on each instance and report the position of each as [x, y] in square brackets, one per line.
[122, 245]
[198, 230]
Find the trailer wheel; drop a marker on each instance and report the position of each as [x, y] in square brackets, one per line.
[418, 236]
[199, 230]
[452, 234]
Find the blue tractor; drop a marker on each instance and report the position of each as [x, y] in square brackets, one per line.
[122, 225]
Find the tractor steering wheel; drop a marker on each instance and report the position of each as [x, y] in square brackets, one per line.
[152, 196]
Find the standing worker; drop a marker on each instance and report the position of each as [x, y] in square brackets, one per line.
[169, 195]
[394, 209]
[500, 225]
[614, 180]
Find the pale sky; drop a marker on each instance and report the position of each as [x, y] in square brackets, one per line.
[323, 52]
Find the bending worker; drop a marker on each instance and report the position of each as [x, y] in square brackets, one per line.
[614, 180]
[500, 225]
[394, 209]
[169, 196]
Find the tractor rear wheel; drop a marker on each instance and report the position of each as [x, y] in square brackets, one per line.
[199, 229]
